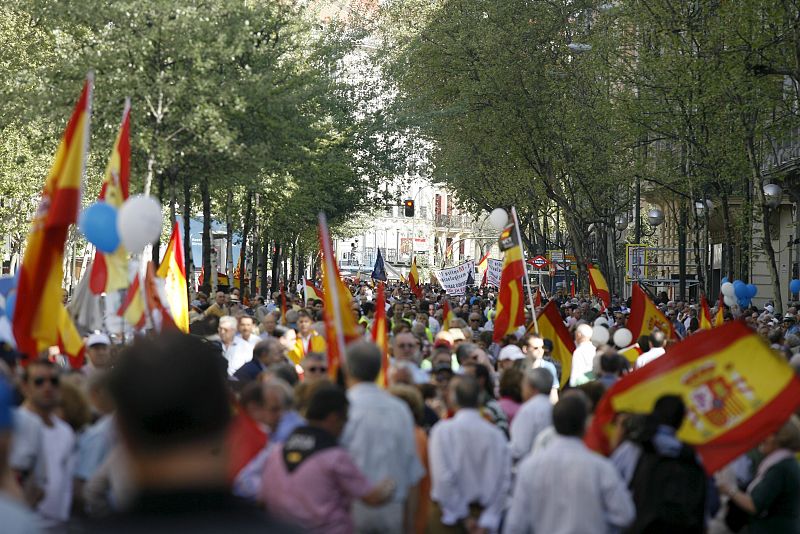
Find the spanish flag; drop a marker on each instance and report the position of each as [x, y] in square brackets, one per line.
[510, 297]
[719, 318]
[537, 299]
[631, 353]
[132, 310]
[645, 316]
[283, 305]
[173, 271]
[110, 271]
[551, 327]
[413, 279]
[483, 267]
[70, 342]
[340, 325]
[312, 292]
[39, 287]
[598, 285]
[447, 314]
[154, 301]
[380, 335]
[705, 314]
[736, 390]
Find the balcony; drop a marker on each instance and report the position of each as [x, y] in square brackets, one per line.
[458, 221]
[785, 153]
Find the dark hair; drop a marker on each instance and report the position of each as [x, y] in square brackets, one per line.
[326, 400]
[170, 391]
[467, 391]
[669, 410]
[511, 384]
[368, 307]
[39, 362]
[464, 350]
[280, 330]
[363, 361]
[286, 372]
[252, 393]
[570, 413]
[488, 381]
[304, 313]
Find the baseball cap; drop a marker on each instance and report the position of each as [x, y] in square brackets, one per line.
[511, 352]
[769, 308]
[97, 338]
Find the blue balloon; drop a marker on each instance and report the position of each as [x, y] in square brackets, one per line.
[744, 303]
[724, 280]
[752, 290]
[740, 289]
[98, 223]
[794, 286]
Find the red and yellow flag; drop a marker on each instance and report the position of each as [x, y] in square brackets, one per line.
[447, 314]
[70, 342]
[645, 316]
[705, 314]
[631, 353]
[39, 288]
[537, 299]
[312, 292]
[598, 285]
[173, 271]
[340, 325]
[551, 327]
[413, 279]
[572, 288]
[154, 301]
[110, 271]
[132, 310]
[511, 295]
[380, 335]
[283, 305]
[736, 390]
[719, 318]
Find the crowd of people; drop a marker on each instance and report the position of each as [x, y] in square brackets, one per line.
[243, 425]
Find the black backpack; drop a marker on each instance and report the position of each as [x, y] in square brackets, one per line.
[669, 493]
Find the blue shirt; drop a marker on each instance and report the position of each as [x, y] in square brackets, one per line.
[93, 447]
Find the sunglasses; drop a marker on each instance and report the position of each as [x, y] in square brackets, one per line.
[317, 369]
[40, 380]
[406, 345]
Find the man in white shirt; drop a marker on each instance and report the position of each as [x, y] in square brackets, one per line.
[583, 357]
[380, 437]
[534, 415]
[42, 397]
[246, 324]
[470, 465]
[237, 351]
[565, 487]
[657, 340]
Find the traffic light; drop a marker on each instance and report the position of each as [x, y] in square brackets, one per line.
[408, 207]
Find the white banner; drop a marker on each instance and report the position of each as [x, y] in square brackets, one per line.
[454, 279]
[493, 272]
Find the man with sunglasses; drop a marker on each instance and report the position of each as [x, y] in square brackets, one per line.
[315, 366]
[40, 385]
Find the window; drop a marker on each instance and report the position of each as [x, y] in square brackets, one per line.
[392, 255]
[423, 212]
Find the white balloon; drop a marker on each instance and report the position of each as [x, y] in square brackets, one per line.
[729, 300]
[139, 222]
[623, 338]
[601, 320]
[498, 218]
[600, 336]
[728, 289]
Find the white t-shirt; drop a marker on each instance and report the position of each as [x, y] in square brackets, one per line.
[60, 454]
[27, 448]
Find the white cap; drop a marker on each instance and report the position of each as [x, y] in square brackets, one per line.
[511, 352]
[769, 308]
[97, 338]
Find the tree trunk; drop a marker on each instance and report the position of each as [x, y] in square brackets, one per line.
[206, 200]
[255, 260]
[229, 237]
[727, 256]
[294, 262]
[187, 236]
[248, 215]
[276, 267]
[157, 245]
[173, 197]
[262, 265]
[682, 251]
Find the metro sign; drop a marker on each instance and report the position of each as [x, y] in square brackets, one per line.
[540, 262]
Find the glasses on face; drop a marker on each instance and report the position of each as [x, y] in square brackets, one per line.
[317, 369]
[39, 381]
[406, 345]
[474, 320]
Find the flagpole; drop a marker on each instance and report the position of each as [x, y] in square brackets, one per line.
[525, 266]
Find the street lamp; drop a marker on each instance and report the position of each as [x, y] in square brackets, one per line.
[655, 217]
[621, 222]
[498, 218]
[772, 195]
